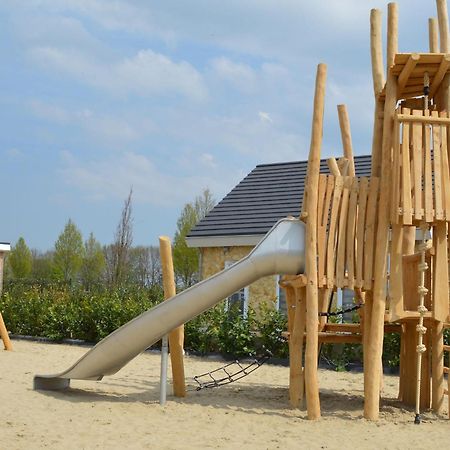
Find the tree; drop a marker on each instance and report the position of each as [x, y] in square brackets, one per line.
[186, 259]
[42, 265]
[69, 252]
[93, 263]
[117, 254]
[145, 266]
[20, 259]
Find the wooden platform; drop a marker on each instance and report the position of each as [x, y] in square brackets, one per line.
[410, 69]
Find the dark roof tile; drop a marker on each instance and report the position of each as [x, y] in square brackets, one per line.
[268, 193]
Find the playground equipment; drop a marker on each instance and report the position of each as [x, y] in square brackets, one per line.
[359, 233]
[281, 251]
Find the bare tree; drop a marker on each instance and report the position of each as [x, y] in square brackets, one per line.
[117, 255]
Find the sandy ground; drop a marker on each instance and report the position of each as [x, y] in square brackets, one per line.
[123, 410]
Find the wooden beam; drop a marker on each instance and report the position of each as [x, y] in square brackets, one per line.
[413, 59]
[343, 164]
[444, 42]
[423, 119]
[176, 336]
[312, 347]
[437, 79]
[433, 34]
[375, 341]
[392, 34]
[376, 51]
[437, 367]
[346, 137]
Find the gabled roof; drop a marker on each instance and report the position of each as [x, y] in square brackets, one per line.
[268, 193]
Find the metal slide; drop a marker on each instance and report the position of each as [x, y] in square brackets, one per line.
[281, 251]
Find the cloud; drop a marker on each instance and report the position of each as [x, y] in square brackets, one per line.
[107, 128]
[240, 75]
[264, 117]
[112, 178]
[146, 73]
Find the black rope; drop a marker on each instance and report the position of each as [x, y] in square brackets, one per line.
[341, 311]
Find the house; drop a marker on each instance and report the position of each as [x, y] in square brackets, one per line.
[242, 218]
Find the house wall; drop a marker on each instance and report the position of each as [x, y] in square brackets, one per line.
[213, 260]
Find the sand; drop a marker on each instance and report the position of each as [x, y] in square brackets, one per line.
[123, 410]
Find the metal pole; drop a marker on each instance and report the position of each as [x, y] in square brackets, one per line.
[163, 376]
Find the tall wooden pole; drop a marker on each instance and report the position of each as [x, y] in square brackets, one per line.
[376, 332]
[312, 298]
[433, 35]
[442, 13]
[392, 38]
[176, 336]
[376, 53]
[346, 137]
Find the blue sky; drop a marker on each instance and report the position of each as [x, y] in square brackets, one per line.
[169, 97]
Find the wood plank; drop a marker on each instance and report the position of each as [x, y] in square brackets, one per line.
[417, 163]
[445, 169]
[425, 58]
[419, 70]
[360, 244]
[296, 373]
[331, 244]
[407, 70]
[343, 217]
[437, 160]
[437, 79]
[428, 176]
[404, 118]
[321, 229]
[395, 203]
[441, 278]
[371, 215]
[351, 233]
[323, 220]
[406, 174]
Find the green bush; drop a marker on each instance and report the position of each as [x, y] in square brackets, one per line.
[61, 311]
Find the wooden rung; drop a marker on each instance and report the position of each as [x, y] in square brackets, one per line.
[446, 348]
[446, 370]
[343, 327]
[407, 70]
[423, 119]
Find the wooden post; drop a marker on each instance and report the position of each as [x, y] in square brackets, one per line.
[296, 371]
[442, 13]
[392, 37]
[443, 97]
[433, 35]
[376, 52]
[437, 367]
[346, 136]
[176, 336]
[375, 344]
[312, 309]
[3, 331]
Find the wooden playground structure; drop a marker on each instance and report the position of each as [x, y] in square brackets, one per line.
[361, 232]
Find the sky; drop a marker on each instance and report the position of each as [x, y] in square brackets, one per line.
[169, 98]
